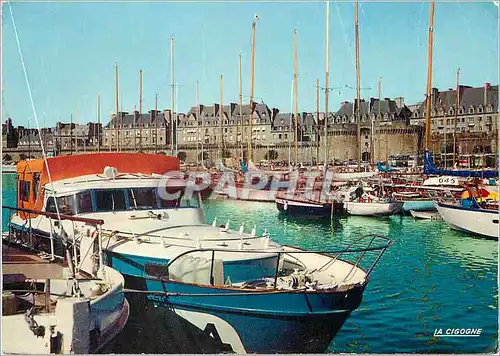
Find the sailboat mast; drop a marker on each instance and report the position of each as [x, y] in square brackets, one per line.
[358, 89]
[327, 75]
[98, 124]
[240, 104]
[252, 68]
[172, 95]
[117, 132]
[317, 119]
[156, 123]
[455, 120]
[198, 124]
[140, 110]
[429, 82]
[221, 118]
[295, 89]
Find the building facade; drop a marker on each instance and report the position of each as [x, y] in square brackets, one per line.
[474, 122]
[138, 132]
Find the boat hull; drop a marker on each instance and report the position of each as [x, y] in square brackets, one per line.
[418, 205]
[302, 208]
[475, 222]
[304, 323]
[372, 208]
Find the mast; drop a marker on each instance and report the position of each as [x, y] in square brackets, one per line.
[429, 82]
[76, 127]
[327, 75]
[198, 125]
[70, 134]
[252, 72]
[455, 119]
[317, 119]
[221, 118]
[135, 126]
[295, 90]
[358, 89]
[98, 123]
[240, 104]
[117, 132]
[172, 95]
[156, 123]
[140, 110]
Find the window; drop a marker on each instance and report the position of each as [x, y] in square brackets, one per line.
[84, 202]
[36, 184]
[24, 189]
[110, 200]
[66, 205]
[471, 110]
[142, 198]
[50, 206]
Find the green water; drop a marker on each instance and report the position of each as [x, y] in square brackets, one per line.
[432, 277]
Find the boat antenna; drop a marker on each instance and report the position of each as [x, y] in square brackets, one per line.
[429, 81]
[358, 87]
[36, 119]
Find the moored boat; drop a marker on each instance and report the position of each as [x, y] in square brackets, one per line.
[253, 293]
[76, 309]
[476, 212]
[426, 215]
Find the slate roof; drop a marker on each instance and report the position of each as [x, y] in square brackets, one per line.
[129, 119]
[469, 96]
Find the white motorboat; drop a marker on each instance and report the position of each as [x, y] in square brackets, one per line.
[50, 309]
[155, 235]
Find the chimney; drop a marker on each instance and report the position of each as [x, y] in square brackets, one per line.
[216, 110]
[434, 96]
[400, 101]
[275, 112]
[487, 87]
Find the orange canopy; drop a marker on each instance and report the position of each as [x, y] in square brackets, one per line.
[64, 167]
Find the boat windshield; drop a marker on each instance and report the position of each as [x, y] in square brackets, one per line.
[110, 200]
[184, 200]
[105, 200]
[142, 198]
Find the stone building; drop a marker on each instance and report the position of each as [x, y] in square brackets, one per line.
[476, 127]
[230, 135]
[77, 137]
[384, 130]
[138, 132]
[29, 139]
[10, 137]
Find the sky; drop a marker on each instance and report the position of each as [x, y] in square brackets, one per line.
[70, 51]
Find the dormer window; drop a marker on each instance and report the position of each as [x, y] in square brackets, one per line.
[471, 110]
[489, 108]
[386, 116]
[415, 114]
[480, 109]
[461, 111]
[451, 111]
[338, 119]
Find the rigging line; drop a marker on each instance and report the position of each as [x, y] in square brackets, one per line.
[349, 48]
[32, 104]
[419, 24]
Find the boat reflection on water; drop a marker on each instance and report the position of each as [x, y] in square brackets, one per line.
[475, 252]
[154, 330]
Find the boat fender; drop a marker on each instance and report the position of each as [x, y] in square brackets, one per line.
[285, 206]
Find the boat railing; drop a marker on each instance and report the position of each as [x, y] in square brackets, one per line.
[63, 237]
[376, 243]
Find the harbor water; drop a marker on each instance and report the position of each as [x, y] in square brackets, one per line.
[431, 278]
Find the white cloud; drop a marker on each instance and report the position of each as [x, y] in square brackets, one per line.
[496, 3]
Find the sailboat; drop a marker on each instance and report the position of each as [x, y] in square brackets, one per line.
[467, 214]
